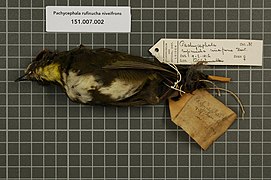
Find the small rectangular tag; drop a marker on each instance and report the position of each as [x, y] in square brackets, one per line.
[88, 19]
[201, 116]
[211, 51]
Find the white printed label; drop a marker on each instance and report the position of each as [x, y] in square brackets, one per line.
[212, 51]
[88, 19]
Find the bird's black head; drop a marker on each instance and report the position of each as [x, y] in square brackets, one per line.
[40, 68]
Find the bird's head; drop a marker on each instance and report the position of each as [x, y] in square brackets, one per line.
[43, 69]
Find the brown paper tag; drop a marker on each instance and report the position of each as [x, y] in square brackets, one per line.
[202, 116]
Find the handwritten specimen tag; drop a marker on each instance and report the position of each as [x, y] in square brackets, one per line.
[201, 116]
[88, 19]
[212, 51]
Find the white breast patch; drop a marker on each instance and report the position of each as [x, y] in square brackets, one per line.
[78, 87]
[120, 89]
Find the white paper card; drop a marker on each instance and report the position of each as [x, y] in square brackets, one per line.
[88, 19]
[212, 51]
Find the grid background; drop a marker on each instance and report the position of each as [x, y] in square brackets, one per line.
[44, 135]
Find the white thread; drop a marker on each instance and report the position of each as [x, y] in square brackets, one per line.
[232, 93]
[235, 96]
[175, 86]
[218, 91]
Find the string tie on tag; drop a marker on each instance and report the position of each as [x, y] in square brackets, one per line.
[176, 86]
[228, 91]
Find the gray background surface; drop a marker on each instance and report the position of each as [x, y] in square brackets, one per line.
[44, 135]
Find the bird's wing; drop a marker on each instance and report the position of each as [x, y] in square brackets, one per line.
[135, 65]
[106, 63]
[136, 70]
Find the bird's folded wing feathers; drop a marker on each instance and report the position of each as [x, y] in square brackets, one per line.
[135, 65]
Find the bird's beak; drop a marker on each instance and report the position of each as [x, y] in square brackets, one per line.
[22, 78]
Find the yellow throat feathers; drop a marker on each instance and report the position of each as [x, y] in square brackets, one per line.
[50, 72]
